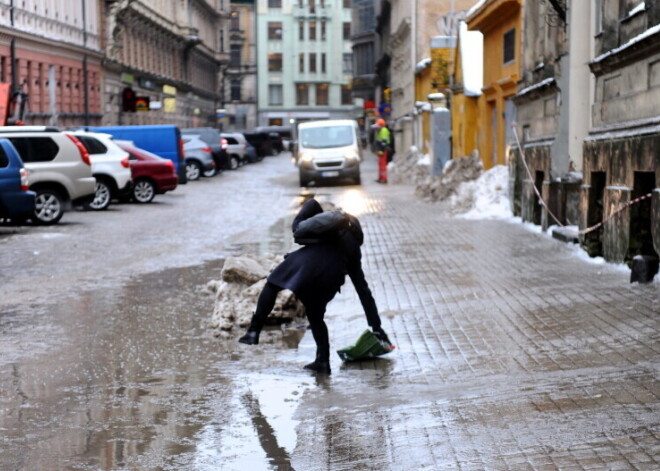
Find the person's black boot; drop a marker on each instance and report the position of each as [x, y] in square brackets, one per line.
[320, 365]
[251, 337]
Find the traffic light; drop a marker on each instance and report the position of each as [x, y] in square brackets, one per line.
[128, 100]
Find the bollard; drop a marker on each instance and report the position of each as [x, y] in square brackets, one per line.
[643, 269]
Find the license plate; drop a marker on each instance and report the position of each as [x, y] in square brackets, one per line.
[330, 174]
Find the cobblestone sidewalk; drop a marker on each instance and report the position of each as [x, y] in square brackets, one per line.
[513, 353]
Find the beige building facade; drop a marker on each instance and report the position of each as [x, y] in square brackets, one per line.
[412, 25]
[170, 52]
[239, 92]
[50, 59]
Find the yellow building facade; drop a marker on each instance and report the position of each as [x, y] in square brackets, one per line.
[500, 22]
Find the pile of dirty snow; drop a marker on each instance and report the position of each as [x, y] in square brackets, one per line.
[410, 167]
[487, 197]
[236, 293]
[454, 173]
[469, 191]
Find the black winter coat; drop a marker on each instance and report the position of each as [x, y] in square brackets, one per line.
[316, 272]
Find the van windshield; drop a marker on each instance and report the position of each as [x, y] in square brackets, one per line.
[326, 137]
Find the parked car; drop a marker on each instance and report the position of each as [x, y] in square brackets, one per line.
[199, 158]
[110, 167]
[217, 144]
[261, 142]
[152, 175]
[16, 201]
[328, 149]
[236, 149]
[251, 153]
[282, 141]
[164, 140]
[59, 166]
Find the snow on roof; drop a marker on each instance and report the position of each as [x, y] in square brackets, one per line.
[638, 8]
[472, 59]
[423, 64]
[536, 86]
[634, 40]
[475, 7]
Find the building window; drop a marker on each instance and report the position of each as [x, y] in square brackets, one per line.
[301, 62]
[274, 30]
[312, 30]
[322, 30]
[312, 6]
[322, 3]
[302, 94]
[322, 93]
[274, 62]
[509, 46]
[312, 62]
[348, 63]
[301, 30]
[235, 55]
[235, 24]
[347, 3]
[300, 3]
[275, 95]
[235, 90]
[346, 98]
[347, 31]
[323, 66]
[274, 3]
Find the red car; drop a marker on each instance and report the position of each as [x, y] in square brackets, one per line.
[152, 175]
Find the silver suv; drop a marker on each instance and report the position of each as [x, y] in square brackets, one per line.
[59, 167]
[110, 167]
[236, 149]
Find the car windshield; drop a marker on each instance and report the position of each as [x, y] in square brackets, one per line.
[326, 137]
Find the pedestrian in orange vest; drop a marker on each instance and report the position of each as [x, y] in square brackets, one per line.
[383, 148]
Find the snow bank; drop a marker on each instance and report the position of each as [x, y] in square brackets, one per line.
[489, 195]
[236, 293]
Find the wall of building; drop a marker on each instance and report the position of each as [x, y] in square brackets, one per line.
[292, 48]
[621, 161]
[169, 52]
[55, 44]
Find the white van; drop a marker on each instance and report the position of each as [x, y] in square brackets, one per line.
[328, 149]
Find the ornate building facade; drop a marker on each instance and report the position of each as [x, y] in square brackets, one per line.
[51, 61]
[168, 55]
[239, 91]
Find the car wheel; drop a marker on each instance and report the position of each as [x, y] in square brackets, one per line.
[144, 191]
[49, 207]
[234, 162]
[212, 172]
[358, 180]
[102, 196]
[303, 181]
[193, 170]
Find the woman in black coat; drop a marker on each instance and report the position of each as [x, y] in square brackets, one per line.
[315, 273]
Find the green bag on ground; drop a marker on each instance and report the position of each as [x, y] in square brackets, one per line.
[367, 346]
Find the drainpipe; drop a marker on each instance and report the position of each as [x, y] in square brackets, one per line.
[84, 65]
[413, 66]
[12, 53]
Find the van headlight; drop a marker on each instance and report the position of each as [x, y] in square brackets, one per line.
[352, 158]
[305, 159]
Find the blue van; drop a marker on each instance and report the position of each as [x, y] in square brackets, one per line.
[163, 140]
[16, 201]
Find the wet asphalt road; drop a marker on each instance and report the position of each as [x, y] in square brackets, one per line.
[513, 353]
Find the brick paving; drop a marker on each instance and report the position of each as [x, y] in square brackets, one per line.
[513, 353]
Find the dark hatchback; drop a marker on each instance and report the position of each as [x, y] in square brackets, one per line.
[16, 201]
